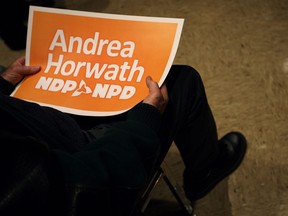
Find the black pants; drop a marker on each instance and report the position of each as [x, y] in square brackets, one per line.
[188, 120]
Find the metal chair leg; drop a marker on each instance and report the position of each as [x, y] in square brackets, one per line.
[164, 173]
[148, 192]
[176, 189]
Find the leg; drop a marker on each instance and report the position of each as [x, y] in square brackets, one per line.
[188, 120]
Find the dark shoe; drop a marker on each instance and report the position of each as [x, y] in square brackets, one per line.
[232, 150]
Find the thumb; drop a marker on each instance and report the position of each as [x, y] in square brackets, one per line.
[152, 85]
[27, 70]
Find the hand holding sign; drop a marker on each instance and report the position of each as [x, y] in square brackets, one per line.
[17, 71]
[158, 97]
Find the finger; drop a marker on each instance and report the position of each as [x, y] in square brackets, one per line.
[27, 70]
[152, 85]
[164, 92]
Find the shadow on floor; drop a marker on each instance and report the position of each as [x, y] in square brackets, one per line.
[158, 207]
[217, 202]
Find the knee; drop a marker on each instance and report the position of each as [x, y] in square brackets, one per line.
[185, 74]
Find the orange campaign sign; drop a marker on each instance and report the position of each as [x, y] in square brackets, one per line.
[95, 64]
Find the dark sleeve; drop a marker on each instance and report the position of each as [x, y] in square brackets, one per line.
[47, 124]
[6, 87]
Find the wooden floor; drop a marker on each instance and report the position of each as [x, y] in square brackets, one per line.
[240, 49]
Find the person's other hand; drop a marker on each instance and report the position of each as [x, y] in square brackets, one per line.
[17, 71]
[157, 97]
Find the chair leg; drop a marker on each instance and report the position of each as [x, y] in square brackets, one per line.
[148, 192]
[164, 173]
[176, 189]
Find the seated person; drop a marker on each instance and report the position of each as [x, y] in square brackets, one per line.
[115, 156]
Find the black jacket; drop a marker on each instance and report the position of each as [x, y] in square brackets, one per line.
[107, 174]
